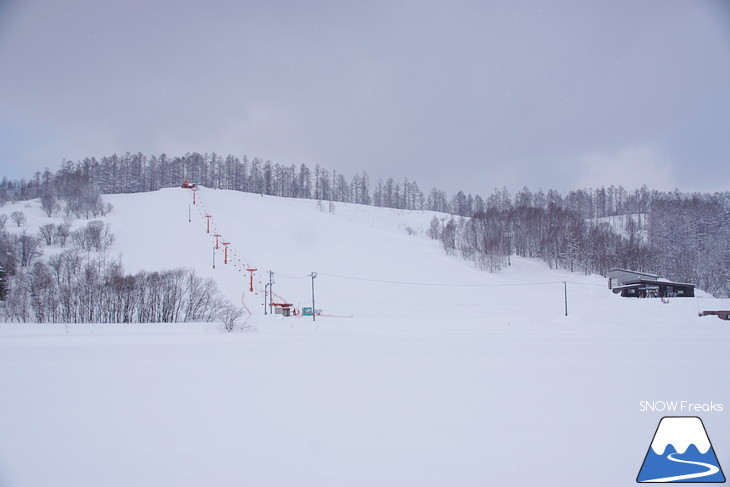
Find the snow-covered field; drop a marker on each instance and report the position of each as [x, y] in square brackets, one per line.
[427, 372]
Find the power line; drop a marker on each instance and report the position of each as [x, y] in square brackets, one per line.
[307, 276]
[435, 284]
[586, 284]
[436, 305]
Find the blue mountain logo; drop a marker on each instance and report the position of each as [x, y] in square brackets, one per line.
[680, 452]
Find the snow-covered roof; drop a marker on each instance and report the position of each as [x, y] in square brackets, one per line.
[632, 272]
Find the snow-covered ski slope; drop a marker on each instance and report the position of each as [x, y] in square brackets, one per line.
[367, 264]
[427, 371]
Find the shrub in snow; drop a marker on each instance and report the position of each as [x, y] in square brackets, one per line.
[94, 236]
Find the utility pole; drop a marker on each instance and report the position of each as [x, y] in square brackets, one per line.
[213, 257]
[314, 310]
[266, 287]
[189, 219]
[271, 291]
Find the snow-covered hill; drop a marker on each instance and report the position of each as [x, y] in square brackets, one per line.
[368, 264]
[422, 370]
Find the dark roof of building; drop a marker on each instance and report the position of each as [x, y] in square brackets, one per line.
[638, 282]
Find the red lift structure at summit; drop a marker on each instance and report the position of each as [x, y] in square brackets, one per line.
[189, 184]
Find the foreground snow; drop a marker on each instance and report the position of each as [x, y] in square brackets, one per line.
[342, 405]
[479, 380]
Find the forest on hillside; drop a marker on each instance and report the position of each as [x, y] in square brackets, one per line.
[679, 236]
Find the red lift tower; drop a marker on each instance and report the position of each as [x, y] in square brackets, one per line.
[208, 227]
[194, 189]
[225, 252]
[250, 282]
[217, 236]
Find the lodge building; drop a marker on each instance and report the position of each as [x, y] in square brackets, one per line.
[642, 285]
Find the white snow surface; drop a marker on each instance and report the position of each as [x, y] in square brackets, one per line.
[424, 371]
[681, 432]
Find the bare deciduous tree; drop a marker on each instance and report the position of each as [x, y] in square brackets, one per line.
[63, 230]
[27, 248]
[47, 231]
[18, 217]
[49, 203]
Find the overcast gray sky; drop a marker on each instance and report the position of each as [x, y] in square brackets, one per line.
[459, 94]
